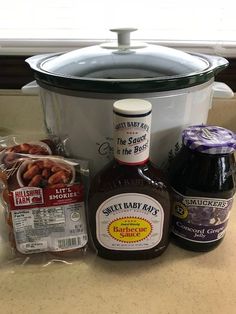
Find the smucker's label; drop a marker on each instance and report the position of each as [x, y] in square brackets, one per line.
[132, 138]
[129, 221]
[199, 219]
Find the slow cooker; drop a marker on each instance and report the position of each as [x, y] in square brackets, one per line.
[78, 88]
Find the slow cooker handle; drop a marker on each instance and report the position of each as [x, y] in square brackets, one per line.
[31, 88]
[222, 90]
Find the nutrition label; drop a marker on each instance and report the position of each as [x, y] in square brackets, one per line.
[50, 228]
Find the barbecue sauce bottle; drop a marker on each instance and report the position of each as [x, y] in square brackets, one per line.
[129, 200]
[202, 176]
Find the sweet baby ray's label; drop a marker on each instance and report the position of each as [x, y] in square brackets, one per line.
[129, 221]
[132, 138]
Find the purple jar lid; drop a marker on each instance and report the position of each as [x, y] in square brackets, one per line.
[209, 139]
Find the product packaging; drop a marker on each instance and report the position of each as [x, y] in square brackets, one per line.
[202, 176]
[43, 202]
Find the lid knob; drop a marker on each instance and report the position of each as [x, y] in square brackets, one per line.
[123, 35]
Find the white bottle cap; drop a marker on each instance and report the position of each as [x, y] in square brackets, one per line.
[132, 106]
[132, 123]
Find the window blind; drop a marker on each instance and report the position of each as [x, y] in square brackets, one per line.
[51, 25]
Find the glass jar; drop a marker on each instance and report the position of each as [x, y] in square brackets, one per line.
[203, 182]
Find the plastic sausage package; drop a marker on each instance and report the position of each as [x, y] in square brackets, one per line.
[43, 197]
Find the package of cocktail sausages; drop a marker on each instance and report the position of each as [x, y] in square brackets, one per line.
[43, 196]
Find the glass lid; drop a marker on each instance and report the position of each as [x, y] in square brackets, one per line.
[124, 60]
[124, 67]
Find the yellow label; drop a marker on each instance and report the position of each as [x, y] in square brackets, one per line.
[129, 222]
[130, 229]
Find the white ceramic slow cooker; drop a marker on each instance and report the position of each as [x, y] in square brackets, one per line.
[78, 89]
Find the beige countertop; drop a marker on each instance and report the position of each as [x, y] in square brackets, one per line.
[178, 282]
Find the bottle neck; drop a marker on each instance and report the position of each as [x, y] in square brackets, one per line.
[132, 138]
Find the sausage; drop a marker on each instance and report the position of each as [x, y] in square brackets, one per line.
[46, 173]
[39, 163]
[24, 148]
[59, 177]
[56, 169]
[10, 150]
[35, 180]
[48, 163]
[36, 150]
[29, 174]
[9, 159]
[60, 168]
[17, 149]
[30, 166]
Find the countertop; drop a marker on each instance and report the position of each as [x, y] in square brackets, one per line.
[177, 282]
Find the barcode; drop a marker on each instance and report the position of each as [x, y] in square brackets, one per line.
[68, 242]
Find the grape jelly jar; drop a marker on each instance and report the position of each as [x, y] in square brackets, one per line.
[203, 182]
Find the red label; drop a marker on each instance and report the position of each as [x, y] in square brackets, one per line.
[27, 196]
[30, 197]
[62, 196]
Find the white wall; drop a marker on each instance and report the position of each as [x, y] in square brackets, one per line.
[19, 114]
